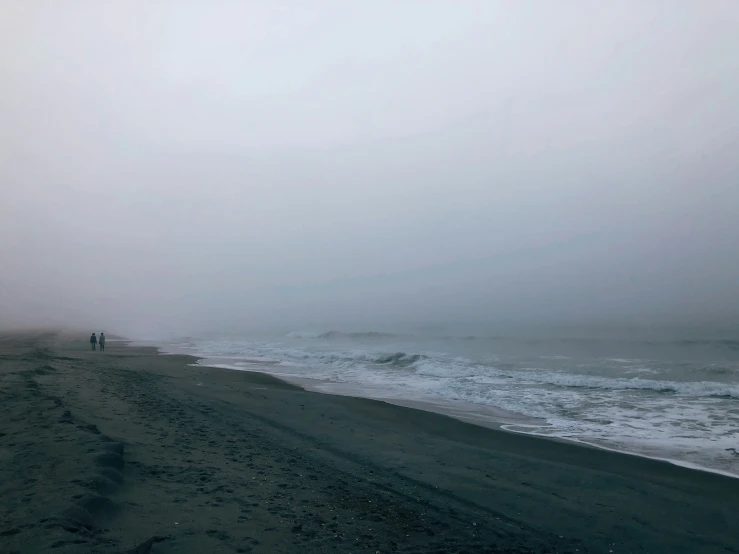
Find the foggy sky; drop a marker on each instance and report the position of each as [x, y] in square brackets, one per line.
[190, 166]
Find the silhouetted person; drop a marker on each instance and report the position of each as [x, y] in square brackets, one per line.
[101, 340]
[93, 341]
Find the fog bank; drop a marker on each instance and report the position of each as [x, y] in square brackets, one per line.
[233, 166]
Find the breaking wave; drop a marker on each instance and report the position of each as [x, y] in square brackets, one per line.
[400, 359]
[710, 343]
[689, 388]
[704, 381]
[362, 335]
[340, 335]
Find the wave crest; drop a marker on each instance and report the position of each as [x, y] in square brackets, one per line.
[358, 335]
[341, 335]
[399, 359]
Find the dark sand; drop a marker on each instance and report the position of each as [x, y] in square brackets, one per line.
[130, 451]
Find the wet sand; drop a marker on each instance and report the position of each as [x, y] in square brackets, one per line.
[128, 451]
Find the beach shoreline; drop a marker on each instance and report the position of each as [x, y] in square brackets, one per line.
[134, 451]
[663, 401]
[475, 414]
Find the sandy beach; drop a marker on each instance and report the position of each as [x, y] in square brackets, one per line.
[129, 451]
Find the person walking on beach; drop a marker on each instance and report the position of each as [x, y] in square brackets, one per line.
[102, 341]
[93, 341]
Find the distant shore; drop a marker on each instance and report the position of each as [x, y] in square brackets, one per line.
[132, 451]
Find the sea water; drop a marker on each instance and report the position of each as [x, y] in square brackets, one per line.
[668, 398]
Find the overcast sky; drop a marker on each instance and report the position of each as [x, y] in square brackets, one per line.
[217, 165]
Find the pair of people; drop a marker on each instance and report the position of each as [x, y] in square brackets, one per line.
[94, 341]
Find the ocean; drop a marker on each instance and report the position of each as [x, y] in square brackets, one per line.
[675, 399]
